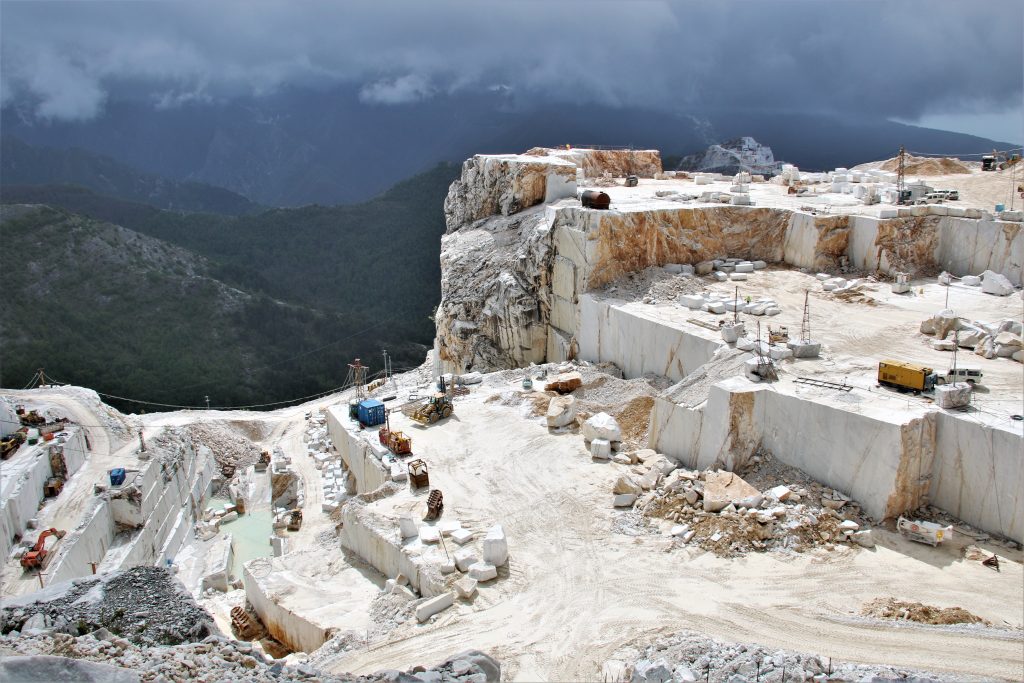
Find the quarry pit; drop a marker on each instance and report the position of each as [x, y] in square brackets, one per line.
[536, 559]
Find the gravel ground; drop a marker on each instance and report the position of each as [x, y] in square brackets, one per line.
[690, 656]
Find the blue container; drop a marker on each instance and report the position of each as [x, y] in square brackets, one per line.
[117, 476]
[371, 412]
[1000, 208]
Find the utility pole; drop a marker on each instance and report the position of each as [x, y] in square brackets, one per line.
[1013, 192]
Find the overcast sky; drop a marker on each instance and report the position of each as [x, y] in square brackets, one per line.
[955, 62]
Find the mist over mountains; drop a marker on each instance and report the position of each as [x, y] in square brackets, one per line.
[305, 146]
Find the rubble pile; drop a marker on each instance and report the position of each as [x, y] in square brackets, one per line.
[726, 514]
[231, 451]
[691, 656]
[1000, 339]
[891, 608]
[654, 283]
[215, 658]
[144, 605]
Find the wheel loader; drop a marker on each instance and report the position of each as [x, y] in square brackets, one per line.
[439, 407]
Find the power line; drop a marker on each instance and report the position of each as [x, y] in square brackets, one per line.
[301, 355]
[203, 407]
[965, 154]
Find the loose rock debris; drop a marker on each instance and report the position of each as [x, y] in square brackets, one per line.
[891, 608]
[723, 513]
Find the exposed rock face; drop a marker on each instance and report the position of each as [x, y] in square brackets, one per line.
[493, 312]
[643, 163]
[506, 184]
[734, 156]
[515, 276]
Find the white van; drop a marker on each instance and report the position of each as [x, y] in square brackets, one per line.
[969, 375]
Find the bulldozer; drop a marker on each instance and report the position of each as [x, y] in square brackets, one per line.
[438, 407]
[32, 419]
[10, 444]
[53, 487]
[294, 519]
[37, 557]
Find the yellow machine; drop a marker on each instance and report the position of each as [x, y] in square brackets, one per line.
[906, 376]
[439, 406]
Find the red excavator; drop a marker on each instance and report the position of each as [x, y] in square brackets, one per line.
[36, 558]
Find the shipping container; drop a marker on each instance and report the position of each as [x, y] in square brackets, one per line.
[371, 412]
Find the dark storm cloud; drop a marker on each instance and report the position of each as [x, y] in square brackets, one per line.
[897, 59]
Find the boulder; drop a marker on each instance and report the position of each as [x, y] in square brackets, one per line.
[650, 479]
[626, 484]
[483, 571]
[646, 671]
[969, 336]
[565, 382]
[995, 283]
[432, 606]
[704, 267]
[601, 449]
[941, 324]
[624, 500]
[465, 558]
[692, 301]
[971, 280]
[943, 344]
[561, 411]
[466, 587]
[602, 426]
[661, 463]
[679, 530]
[724, 488]
[408, 527]
[863, 538]
[495, 546]
[462, 536]
[429, 534]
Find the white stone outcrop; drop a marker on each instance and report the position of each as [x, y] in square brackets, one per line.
[495, 546]
[561, 411]
[996, 283]
[602, 426]
[506, 184]
[432, 606]
[483, 571]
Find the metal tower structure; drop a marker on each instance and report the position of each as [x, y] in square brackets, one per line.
[765, 367]
[805, 326]
[901, 171]
[357, 378]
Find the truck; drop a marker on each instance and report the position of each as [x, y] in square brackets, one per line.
[904, 376]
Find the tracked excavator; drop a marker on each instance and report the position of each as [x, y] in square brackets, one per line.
[36, 558]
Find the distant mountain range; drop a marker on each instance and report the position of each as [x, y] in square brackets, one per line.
[24, 164]
[302, 146]
[169, 306]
